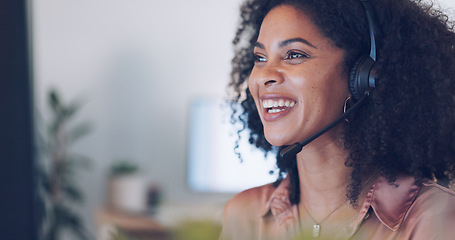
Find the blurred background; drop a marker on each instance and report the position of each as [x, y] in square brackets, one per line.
[149, 78]
[132, 127]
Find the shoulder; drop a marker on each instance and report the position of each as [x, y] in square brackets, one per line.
[435, 200]
[243, 212]
[251, 202]
[432, 215]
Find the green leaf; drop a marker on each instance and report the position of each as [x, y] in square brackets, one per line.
[123, 167]
[73, 193]
[54, 101]
[65, 173]
[77, 160]
[67, 219]
[80, 231]
[79, 131]
[70, 110]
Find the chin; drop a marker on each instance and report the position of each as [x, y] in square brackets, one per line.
[277, 140]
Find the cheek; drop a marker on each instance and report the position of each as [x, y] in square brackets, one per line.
[336, 95]
[254, 93]
[252, 86]
[325, 93]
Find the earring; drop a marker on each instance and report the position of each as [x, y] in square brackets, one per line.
[346, 106]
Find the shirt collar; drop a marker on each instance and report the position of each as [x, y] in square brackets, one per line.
[389, 201]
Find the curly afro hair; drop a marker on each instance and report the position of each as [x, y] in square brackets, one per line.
[408, 124]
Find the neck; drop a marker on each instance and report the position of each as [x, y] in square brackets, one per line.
[323, 176]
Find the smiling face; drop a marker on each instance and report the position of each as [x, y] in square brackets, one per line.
[298, 81]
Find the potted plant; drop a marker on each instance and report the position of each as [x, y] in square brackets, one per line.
[127, 188]
[57, 168]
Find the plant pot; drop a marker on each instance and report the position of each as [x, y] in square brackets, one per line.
[128, 193]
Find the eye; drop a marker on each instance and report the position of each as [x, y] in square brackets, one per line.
[259, 58]
[295, 54]
[295, 57]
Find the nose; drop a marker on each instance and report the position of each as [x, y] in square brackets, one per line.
[267, 76]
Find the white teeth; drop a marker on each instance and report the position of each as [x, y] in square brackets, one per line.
[275, 110]
[269, 103]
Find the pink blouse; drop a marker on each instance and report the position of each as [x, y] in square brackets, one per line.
[401, 210]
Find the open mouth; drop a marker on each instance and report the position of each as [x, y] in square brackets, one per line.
[277, 105]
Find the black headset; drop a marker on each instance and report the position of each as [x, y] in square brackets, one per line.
[362, 78]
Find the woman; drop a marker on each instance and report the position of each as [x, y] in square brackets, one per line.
[380, 173]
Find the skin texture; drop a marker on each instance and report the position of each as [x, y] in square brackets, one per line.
[310, 72]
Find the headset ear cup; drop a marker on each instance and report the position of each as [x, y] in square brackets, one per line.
[353, 79]
[361, 77]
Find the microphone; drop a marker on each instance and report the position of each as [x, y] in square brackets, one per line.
[295, 148]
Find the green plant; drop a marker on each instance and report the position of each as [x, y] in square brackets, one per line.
[123, 167]
[57, 169]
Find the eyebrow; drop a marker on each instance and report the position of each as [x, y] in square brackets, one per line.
[287, 42]
[259, 45]
[293, 40]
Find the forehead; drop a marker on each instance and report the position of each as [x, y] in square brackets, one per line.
[286, 22]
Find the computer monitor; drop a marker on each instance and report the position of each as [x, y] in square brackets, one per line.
[213, 165]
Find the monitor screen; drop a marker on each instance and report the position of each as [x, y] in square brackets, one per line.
[213, 165]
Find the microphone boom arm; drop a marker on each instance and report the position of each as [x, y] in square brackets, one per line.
[295, 148]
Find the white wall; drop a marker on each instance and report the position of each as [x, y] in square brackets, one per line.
[137, 64]
[448, 6]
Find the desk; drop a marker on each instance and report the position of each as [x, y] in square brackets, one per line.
[139, 227]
